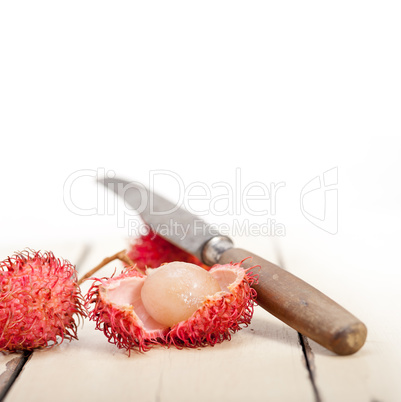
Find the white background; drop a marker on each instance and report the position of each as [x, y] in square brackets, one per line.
[284, 91]
[278, 91]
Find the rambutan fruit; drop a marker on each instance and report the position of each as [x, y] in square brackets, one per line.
[151, 251]
[148, 251]
[178, 304]
[39, 298]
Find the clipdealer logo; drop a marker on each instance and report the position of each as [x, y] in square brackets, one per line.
[234, 199]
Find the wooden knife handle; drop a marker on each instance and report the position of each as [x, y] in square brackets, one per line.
[301, 306]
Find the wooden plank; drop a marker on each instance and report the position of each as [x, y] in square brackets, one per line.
[357, 273]
[263, 361]
[12, 363]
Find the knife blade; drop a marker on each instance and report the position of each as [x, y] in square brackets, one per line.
[281, 293]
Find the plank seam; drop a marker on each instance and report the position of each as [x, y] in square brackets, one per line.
[15, 373]
[310, 364]
[303, 341]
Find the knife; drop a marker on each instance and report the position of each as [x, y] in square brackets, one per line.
[281, 293]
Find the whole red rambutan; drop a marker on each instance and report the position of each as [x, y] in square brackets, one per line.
[151, 251]
[177, 304]
[148, 251]
[39, 297]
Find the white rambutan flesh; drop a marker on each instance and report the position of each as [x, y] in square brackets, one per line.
[173, 292]
[177, 304]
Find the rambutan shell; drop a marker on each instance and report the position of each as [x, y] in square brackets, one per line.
[116, 316]
[121, 316]
[39, 301]
[220, 315]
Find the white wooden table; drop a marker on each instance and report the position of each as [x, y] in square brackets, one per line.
[268, 361]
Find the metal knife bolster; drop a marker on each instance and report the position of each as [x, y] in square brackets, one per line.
[214, 249]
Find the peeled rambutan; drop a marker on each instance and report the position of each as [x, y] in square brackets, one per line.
[178, 304]
[39, 297]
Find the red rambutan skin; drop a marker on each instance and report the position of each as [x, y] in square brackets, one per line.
[39, 297]
[120, 323]
[151, 251]
[221, 315]
[215, 321]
